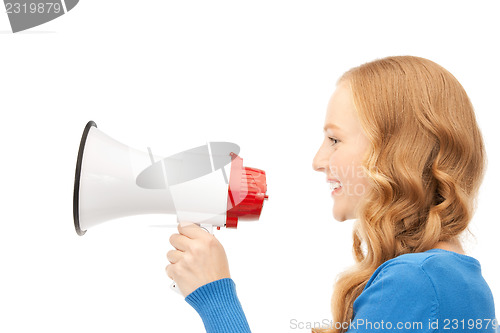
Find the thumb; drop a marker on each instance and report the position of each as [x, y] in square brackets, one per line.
[183, 224]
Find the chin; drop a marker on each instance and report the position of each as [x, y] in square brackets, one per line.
[342, 216]
[339, 218]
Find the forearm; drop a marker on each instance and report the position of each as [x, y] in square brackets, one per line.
[219, 307]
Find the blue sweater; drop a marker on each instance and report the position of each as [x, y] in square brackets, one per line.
[219, 307]
[434, 291]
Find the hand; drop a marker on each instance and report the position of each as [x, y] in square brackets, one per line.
[199, 259]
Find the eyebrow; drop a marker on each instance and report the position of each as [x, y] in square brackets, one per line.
[330, 125]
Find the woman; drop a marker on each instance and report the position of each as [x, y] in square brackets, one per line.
[405, 158]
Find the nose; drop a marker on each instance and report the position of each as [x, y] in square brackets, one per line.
[320, 161]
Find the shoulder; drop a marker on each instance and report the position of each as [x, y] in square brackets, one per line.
[433, 265]
[400, 288]
[406, 272]
[429, 277]
[419, 286]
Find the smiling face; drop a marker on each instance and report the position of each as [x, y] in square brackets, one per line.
[341, 154]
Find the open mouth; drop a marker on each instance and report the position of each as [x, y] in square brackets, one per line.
[335, 185]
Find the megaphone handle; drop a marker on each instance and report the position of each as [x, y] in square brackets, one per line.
[208, 228]
[173, 286]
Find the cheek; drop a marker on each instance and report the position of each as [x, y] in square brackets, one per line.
[341, 164]
[352, 175]
[360, 186]
[359, 180]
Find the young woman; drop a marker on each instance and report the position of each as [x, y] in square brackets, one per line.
[404, 157]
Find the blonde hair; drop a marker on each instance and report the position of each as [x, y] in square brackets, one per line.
[425, 166]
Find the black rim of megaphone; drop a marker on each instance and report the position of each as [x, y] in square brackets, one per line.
[76, 192]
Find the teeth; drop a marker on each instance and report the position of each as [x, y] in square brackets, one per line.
[335, 185]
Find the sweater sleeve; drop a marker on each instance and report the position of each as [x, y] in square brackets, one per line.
[401, 298]
[219, 307]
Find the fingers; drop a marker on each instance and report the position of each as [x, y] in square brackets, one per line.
[180, 242]
[174, 256]
[191, 230]
[169, 271]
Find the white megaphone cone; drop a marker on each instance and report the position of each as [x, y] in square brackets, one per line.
[207, 185]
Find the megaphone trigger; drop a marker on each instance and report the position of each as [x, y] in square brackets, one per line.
[208, 228]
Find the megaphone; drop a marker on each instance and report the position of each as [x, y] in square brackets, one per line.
[207, 185]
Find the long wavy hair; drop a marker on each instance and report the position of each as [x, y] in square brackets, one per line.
[425, 165]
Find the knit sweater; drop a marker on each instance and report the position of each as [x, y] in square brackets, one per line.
[434, 291]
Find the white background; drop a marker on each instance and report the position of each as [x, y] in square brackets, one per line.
[172, 75]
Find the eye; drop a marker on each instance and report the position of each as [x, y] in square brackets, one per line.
[333, 140]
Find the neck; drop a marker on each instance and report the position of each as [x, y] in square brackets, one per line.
[451, 245]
